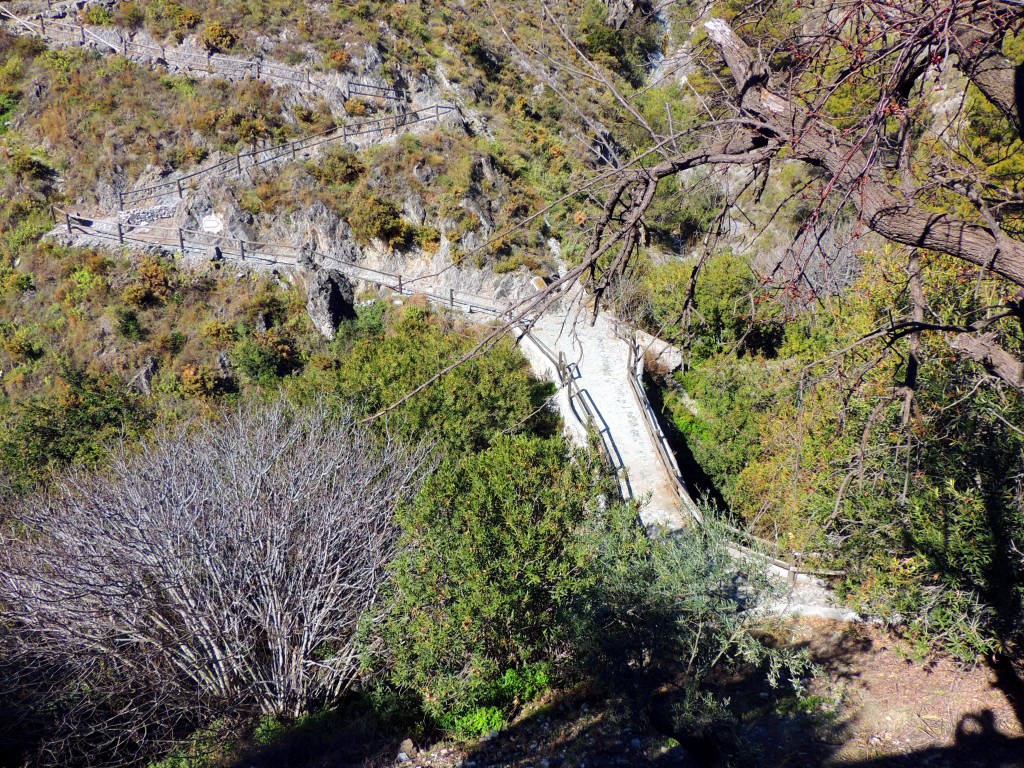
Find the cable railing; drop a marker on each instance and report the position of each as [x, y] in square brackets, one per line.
[288, 150]
[210, 63]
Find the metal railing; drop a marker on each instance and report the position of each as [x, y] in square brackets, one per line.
[288, 151]
[744, 541]
[209, 63]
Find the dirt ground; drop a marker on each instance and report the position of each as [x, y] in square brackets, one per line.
[868, 707]
[883, 707]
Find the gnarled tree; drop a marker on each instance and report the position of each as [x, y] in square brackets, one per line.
[848, 88]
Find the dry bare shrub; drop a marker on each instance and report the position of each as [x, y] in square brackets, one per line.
[223, 569]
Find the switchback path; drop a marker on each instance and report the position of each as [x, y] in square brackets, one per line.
[598, 365]
[595, 365]
[57, 24]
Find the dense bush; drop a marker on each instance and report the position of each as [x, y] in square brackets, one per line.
[216, 37]
[72, 427]
[518, 571]
[376, 218]
[815, 449]
[218, 574]
[337, 166]
[491, 559]
[476, 402]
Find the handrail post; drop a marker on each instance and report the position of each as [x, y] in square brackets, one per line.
[399, 285]
[437, 111]
[42, 25]
[293, 150]
[451, 297]
[120, 200]
[241, 248]
[307, 77]
[181, 241]
[120, 234]
[81, 30]
[257, 69]
[238, 162]
[180, 194]
[67, 221]
[53, 213]
[124, 47]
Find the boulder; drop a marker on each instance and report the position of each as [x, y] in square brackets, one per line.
[329, 300]
[143, 378]
[660, 356]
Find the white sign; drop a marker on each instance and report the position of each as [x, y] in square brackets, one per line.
[212, 224]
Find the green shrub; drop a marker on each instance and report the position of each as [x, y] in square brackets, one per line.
[187, 18]
[152, 284]
[216, 37]
[198, 381]
[492, 393]
[492, 556]
[129, 15]
[68, 428]
[477, 722]
[338, 166]
[264, 357]
[375, 218]
[129, 326]
[26, 166]
[97, 15]
[20, 346]
[8, 103]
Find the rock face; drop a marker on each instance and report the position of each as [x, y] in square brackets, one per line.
[619, 12]
[329, 300]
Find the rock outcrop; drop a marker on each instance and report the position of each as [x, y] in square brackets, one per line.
[329, 300]
[619, 12]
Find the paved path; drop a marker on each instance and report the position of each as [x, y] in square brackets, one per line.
[597, 357]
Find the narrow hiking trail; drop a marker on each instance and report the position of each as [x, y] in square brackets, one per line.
[593, 359]
[597, 357]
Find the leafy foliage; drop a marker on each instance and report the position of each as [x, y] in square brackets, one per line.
[491, 558]
[72, 427]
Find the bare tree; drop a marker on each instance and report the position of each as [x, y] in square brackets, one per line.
[892, 162]
[225, 567]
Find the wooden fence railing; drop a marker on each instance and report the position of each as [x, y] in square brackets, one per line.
[580, 401]
[210, 63]
[289, 150]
